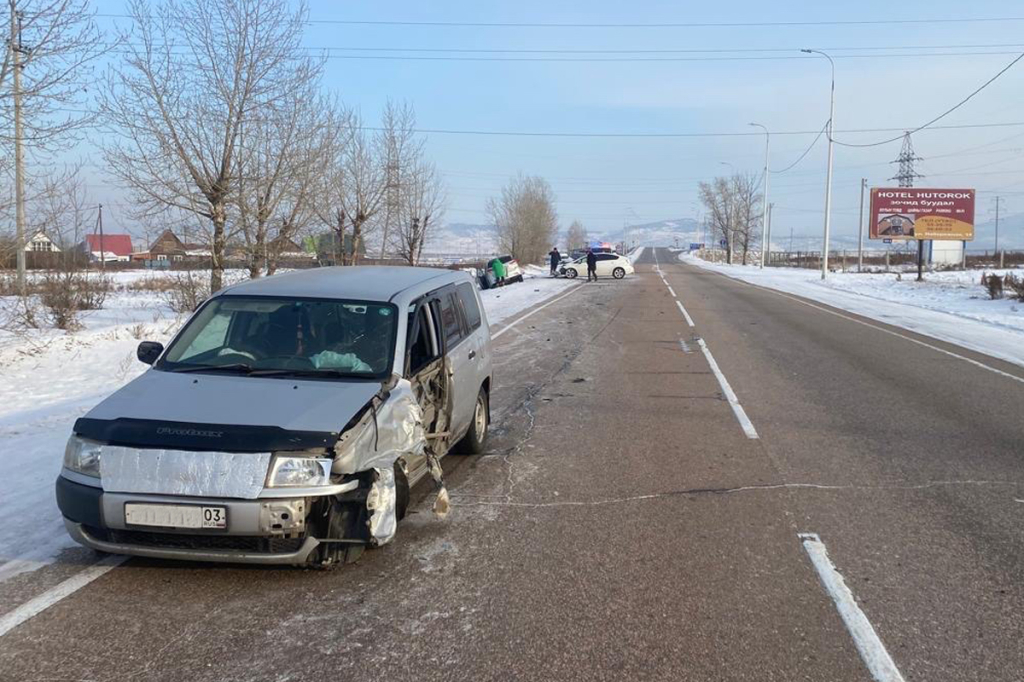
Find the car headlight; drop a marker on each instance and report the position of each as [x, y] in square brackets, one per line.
[83, 456]
[291, 472]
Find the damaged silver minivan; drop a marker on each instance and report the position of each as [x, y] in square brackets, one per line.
[286, 421]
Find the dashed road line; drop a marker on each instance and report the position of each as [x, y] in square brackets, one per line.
[671, 290]
[686, 315]
[734, 403]
[37, 605]
[872, 651]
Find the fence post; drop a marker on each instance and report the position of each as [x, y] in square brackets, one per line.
[887, 260]
[1002, 260]
[844, 260]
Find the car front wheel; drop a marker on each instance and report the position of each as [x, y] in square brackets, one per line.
[474, 441]
[618, 273]
[571, 273]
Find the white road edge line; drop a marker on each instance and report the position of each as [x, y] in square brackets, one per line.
[37, 605]
[671, 291]
[689, 320]
[734, 403]
[929, 346]
[872, 651]
[504, 329]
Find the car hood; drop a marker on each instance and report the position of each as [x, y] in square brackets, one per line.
[263, 403]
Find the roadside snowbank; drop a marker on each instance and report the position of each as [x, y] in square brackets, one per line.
[49, 378]
[951, 306]
[635, 254]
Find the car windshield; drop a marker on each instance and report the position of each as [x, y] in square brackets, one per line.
[278, 336]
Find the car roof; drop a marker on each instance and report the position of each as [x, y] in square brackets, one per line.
[364, 283]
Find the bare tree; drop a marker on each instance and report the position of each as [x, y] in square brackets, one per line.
[363, 186]
[423, 203]
[525, 217]
[195, 72]
[576, 238]
[732, 210]
[401, 152]
[45, 77]
[281, 152]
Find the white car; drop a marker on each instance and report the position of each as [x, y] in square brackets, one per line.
[607, 264]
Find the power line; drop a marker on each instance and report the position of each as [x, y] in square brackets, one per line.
[943, 114]
[806, 151]
[730, 24]
[406, 58]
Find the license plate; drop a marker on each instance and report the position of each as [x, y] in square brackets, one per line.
[175, 515]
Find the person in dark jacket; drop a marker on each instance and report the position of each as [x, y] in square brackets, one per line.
[556, 258]
[591, 265]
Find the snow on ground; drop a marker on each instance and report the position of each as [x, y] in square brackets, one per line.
[49, 378]
[537, 284]
[635, 254]
[951, 305]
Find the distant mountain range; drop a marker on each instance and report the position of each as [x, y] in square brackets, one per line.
[469, 238]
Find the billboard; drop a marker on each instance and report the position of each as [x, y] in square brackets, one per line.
[919, 213]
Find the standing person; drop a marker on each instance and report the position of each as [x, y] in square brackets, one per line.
[556, 258]
[499, 272]
[591, 265]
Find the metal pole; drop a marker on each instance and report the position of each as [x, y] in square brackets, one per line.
[997, 224]
[19, 155]
[770, 207]
[860, 227]
[830, 127]
[103, 253]
[764, 199]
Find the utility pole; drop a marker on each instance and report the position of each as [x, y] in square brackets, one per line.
[769, 237]
[860, 227]
[764, 199]
[997, 226]
[830, 128]
[17, 49]
[103, 253]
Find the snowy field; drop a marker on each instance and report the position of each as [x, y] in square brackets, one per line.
[951, 306]
[49, 378]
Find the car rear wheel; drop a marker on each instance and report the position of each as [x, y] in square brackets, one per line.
[619, 273]
[571, 273]
[474, 442]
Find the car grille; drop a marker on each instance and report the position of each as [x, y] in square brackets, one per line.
[235, 543]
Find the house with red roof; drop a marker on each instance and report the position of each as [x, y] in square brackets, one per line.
[108, 247]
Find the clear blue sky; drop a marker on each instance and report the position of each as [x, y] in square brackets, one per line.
[604, 181]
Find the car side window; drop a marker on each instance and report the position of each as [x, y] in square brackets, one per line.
[470, 308]
[450, 319]
[421, 349]
[605, 256]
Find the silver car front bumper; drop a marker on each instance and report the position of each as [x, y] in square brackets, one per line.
[300, 556]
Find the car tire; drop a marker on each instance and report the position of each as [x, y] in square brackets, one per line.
[571, 273]
[619, 273]
[475, 440]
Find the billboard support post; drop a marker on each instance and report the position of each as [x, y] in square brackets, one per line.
[920, 260]
[860, 227]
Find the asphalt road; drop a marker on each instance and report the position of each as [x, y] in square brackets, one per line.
[623, 524]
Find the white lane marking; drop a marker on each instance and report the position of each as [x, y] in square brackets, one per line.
[872, 651]
[1016, 500]
[929, 346]
[734, 403]
[504, 329]
[671, 290]
[689, 320]
[37, 605]
[686, 348]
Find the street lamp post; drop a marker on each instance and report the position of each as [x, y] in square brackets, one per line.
[830, 127]
[764, 199]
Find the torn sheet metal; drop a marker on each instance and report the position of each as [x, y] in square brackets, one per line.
[179, 472]
[391, 429]
[383, 435]
[382, 503]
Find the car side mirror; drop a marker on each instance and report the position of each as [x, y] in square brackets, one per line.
[149, 351]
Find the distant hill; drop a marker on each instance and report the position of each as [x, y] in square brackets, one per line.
[660, 233]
